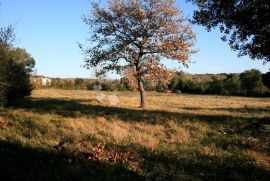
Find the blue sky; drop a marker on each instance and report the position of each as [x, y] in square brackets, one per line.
[51, 29]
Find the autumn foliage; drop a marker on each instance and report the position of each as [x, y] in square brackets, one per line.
[154, 75]
[138, 34]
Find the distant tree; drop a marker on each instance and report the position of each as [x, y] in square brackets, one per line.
[138, 33]
[245, 23]
[232, 84]
[149, 85]
[217, 87]
[174, 82]
[182, 81]
[251, 82]
[105, 86]
[56, 83]
[78, 83]
[266, 79]
[160, 87]
[68, 84]
[15, 66]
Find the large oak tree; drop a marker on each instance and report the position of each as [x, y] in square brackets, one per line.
[137, 34]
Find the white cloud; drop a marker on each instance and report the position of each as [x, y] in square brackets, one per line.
[216, 68]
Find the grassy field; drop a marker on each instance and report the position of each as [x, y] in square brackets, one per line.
[84, 135]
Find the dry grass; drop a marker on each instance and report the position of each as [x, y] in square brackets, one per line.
[176, 137]
[261, 159]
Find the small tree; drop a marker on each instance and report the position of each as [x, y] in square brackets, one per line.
[174, 82]
[232, 84]
[138, 34]
[79, 83]
[251, 82]
[15, 66]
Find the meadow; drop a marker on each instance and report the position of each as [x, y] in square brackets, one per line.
[87, 135]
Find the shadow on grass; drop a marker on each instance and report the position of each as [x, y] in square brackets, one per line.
[187, 163]
[203, 167]
[75, 108]
[22, 163]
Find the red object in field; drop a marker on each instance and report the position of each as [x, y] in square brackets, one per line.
[168, 91]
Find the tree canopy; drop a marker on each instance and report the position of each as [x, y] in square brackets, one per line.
[138, 34]
[244, 23]
[7, 37]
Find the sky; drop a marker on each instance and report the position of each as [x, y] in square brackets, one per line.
[51, 29]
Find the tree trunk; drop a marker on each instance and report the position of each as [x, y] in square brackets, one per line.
[141, 89]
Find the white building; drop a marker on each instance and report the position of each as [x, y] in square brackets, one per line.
[46, 81]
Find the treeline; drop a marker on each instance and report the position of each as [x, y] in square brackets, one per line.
[248, 83]
[103, 85]
[88, 84]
